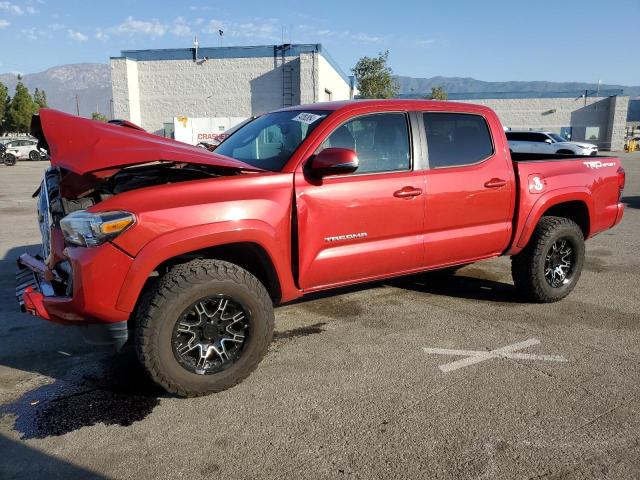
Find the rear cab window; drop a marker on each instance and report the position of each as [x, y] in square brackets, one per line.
[456, 139]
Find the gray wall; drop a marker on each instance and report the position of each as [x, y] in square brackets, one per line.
[153, 92]
[552, 114]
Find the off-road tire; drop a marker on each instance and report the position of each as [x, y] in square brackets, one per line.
[34, 156]
[527, 267]
[161, 306]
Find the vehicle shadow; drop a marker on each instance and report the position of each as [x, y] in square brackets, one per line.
[27, 462]
[470, 283]
[631, 202]
[90, 385]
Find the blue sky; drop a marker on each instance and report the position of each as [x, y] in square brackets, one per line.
[488, 40]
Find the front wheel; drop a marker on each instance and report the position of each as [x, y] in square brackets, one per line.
[549, 267]
[204, 327]
[10, 160]
[34, 156]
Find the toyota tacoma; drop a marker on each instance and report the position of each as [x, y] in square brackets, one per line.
[184, 252]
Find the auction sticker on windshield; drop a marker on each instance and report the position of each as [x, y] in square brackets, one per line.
[307, 118]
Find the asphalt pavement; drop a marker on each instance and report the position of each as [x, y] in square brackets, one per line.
[431, 376]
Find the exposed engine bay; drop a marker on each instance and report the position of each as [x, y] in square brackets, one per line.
[68, 192]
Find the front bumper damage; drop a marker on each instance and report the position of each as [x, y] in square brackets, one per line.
[31, 286]
[91, 303]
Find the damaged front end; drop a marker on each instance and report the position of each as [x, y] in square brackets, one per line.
[77, 276]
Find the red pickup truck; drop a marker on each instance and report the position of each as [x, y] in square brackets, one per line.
[185, 251]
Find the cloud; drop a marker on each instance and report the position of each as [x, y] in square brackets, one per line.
[181, 28]
[11, 8]
[31, 10]
[198, 8]
[311, 32]
[266, 30]
[152, 28]
[4, 23]
[77, 36]
[101, 35]
[365, 37]
[428, 41]
[31, 33]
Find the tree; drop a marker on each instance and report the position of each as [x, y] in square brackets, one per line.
[4, 96]
[6, 121]
[438, 93]
[99, 117]
[40, 98]
[374, 78]
[21, 109]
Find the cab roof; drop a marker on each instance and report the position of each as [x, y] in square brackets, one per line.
[408, 104]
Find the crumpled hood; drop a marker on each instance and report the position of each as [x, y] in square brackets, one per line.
[87, 146]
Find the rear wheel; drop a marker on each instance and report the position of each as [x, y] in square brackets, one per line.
[549, 267]
[204, 327]
[34, 156]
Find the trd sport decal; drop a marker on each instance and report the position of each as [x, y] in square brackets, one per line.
[595, 164]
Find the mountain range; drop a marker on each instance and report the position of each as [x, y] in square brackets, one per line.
[90, 84]
[466, 85]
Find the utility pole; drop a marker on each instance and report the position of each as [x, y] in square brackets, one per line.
[77, 105]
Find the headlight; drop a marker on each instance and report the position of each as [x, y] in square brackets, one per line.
[92, 229]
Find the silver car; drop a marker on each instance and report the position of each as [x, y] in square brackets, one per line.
[24, 149]
[547, 142]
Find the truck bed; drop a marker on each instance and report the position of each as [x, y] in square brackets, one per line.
[545, 157]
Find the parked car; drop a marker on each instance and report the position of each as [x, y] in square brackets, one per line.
[25, 149]
[184, 252]
[547, 142]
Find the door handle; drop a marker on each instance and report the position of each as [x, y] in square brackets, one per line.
[495, 183]
[407, 192]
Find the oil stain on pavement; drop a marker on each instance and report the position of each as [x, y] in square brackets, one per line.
[113, 390]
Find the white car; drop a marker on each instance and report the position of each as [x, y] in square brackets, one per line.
[547, 142]
[24, 149]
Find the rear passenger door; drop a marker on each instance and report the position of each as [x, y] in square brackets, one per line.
[469, 189]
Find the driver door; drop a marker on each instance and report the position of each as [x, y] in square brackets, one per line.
[368, 224]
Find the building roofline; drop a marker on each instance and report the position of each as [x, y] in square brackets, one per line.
[249, 51]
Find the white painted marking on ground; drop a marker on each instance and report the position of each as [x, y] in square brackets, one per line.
[477, 356]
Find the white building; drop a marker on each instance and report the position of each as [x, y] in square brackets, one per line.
[158, 89]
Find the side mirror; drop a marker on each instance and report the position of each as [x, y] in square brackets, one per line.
[548, 140]
[334, 161]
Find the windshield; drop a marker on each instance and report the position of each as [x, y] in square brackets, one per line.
[557, 137]
[269, 141]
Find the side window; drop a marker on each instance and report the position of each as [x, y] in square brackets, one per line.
[533, 137]
[456, 139]
[381, 141]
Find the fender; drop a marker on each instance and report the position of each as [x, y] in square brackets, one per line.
[199, 237]
[544, 203]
